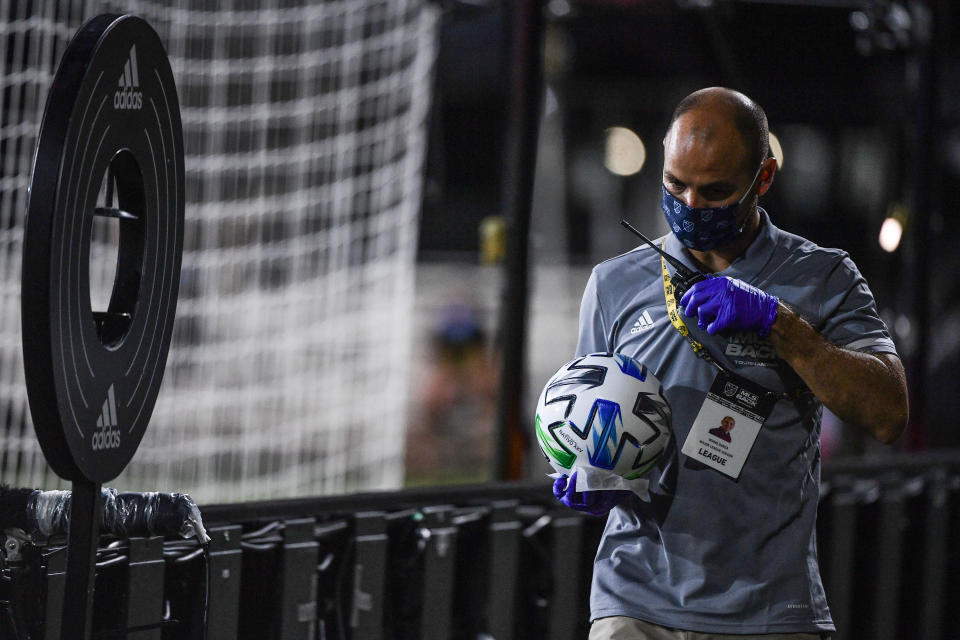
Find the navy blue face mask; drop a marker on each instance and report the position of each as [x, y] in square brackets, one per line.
[700, 228]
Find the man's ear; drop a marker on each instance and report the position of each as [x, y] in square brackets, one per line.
[766, 175]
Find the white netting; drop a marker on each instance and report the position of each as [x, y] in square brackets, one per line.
[304, 129]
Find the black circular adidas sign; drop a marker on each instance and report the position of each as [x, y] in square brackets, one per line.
[110, 149]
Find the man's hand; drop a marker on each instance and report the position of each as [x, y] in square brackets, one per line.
[597, 503]
[727, 303]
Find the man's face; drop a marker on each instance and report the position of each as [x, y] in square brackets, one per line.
[727, 424]
[706, 163]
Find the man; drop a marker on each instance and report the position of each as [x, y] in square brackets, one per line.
[723, 430]
[787, 327]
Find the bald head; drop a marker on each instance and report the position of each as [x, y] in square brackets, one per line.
[720, 108]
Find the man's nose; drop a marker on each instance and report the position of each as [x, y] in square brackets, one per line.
[693, 200]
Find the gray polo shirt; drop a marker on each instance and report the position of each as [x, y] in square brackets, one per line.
[710, 553]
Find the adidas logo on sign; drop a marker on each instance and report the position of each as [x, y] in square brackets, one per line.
[128, 95]
[644, 323]
[107, 435]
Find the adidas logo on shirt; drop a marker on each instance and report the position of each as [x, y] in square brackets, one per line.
[128, 95]
[644, 323]
[107, 435]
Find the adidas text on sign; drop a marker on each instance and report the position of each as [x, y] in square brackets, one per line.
[129, 96]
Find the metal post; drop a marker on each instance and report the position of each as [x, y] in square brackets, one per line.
[525, 67]
[923, 184]
[82, 539]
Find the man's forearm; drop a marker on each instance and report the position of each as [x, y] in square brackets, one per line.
[864, 390]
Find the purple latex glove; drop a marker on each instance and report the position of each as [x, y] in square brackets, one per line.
[597, 503]
[727, 303]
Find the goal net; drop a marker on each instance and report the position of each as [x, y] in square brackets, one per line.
[304, 127]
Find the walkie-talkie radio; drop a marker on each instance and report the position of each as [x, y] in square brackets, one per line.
[684, 278]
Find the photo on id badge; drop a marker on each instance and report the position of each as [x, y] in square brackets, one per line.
[724, 429]
[721, 437]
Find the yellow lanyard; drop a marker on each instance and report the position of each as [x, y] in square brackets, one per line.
[677, 321]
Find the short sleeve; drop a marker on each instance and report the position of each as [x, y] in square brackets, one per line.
[850, 317]
[593, 333]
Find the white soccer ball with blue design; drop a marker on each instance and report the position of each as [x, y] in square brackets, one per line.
[605, 411]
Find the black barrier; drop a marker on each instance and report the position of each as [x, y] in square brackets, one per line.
[334, 555]
[439, 535]
[369, 576]
[836, 535]
[951, 593]
[568, 603]
[500, 561]
[298, 585]
[144, 589]
[503, 537]
[224, 572]
[534, 574]
[201, 588]
[55, 571]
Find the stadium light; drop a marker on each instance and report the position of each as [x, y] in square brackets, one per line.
[559, 8]
[902, 326]
[776, 149]
[891, 231]
[890, 234]
[625, 152]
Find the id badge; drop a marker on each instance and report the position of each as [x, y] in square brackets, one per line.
[728, 423]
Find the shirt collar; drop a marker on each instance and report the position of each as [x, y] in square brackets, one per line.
[748, 265]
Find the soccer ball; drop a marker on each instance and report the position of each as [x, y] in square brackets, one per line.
[606, 411]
